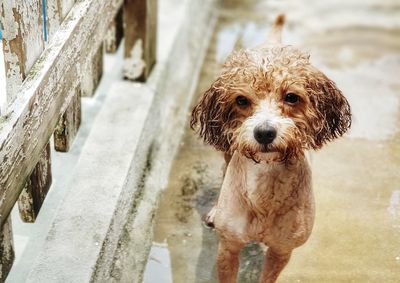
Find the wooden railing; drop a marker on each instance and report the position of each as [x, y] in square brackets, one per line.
[53, 54]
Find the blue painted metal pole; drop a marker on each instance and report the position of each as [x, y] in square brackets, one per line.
[44, 19]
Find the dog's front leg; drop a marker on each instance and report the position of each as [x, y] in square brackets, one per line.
[273, 265]
[228, 261]
[209, 218]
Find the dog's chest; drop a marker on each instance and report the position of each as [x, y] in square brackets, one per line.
[267, 187]
[256, 174]
[256, 196]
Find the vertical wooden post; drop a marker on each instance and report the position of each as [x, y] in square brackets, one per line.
[114, 33]
[93, 71]
[140, 24]
[6, 249]
[23, 43]
[69, 123]
[36, 188]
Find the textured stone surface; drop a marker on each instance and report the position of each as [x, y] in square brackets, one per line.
[96, 192]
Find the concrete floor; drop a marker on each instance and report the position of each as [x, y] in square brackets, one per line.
[356, 236]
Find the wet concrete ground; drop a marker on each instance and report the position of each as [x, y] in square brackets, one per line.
[356, 237]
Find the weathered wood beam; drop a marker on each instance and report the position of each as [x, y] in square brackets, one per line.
[68, 125]
[32, 118]
[6, 249]
[140, 32]
[115, 33]
[32, 196]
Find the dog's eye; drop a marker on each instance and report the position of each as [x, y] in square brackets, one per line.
[292, 98]
[242, 101]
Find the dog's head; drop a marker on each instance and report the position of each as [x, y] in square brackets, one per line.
[270, 103]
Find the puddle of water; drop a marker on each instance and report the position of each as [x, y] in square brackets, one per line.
[159, 265]
[356, 237]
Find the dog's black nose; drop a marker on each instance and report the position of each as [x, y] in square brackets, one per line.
[264, 133]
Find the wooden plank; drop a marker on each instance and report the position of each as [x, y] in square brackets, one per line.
[32, 118]
[93, 71]
[7, 254]
[114, 34]
[32, 196]
[69, 123]
[140, 19]
[24, 48]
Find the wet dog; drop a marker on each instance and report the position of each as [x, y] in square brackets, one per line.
[266, 109]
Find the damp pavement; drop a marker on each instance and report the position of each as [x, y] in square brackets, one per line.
[356, 237]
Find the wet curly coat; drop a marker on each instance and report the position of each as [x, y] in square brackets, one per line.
[266, 109]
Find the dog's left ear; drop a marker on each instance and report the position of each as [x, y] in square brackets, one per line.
[333, 110]
[212, 116]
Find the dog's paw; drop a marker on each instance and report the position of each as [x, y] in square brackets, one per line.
[209, 218]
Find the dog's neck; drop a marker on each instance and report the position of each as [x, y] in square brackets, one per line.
[267, 185]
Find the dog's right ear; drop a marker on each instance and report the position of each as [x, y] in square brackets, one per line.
[332, 110]
[210, 118]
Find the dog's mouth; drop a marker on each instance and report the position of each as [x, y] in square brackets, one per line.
[265, 148]
[262, 152]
